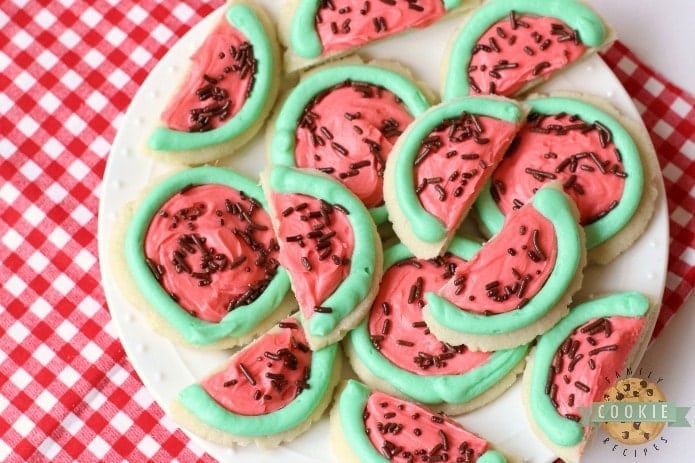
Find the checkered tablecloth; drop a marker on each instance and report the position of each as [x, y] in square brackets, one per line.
[68, 70]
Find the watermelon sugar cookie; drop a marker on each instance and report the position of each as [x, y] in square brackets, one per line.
[508, 46]
[604, 161]
[577, 361]
[227, 92]
[315, 30]
[343, 120]
[330, 248]
[519, 284]
[393, 350]
[269, 392]
[441, 163]
[373, 427]
[198, 255]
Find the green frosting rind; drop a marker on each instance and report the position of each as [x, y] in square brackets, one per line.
[305, 40]
[451, 4]
[429, 228]
[434, 389]
[351, 405]
[245, 20]
[560, 430]
[553, 205]
[610, 224]
[283, 143]
[198, 402]
[487, 211]
[355, 287]
[575, 14]
[491, 456]
[195, 331]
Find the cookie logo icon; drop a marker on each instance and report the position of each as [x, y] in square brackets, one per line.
[634, 391]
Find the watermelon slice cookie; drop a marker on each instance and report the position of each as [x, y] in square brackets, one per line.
[578, 360]
[343, 120]
[374, 427]
[519, 284]
[269, 392]
[441, 163]
[507, 46]
[199, 256]
[596, 158]
[330, 247]
[315, 30]
[227, 93]
[393, 350]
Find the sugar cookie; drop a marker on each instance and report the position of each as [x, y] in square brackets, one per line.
[227, 93]
[393, 350]
[569, 366]
[197, 254]
[269, 392]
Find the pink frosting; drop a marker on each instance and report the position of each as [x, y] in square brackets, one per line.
[344, 24]
[230, 73]
[266, 375]
[201, 213]
[449, 178]
[595, 189]
[346, 118]
[507, 264]
[392, 316]
[403, 432]
[575, 362]
[316, 268]
[515, 56]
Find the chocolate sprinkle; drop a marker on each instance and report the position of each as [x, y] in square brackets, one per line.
[247, 374]
[581, 386]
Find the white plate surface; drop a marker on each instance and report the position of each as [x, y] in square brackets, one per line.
[165, 368]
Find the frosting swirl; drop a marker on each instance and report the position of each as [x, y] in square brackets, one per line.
[212, 249]
[348, 132]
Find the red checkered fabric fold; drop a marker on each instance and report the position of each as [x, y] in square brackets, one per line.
[669, 114]
[68, 70]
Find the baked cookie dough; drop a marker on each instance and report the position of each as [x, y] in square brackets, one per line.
[343, 119]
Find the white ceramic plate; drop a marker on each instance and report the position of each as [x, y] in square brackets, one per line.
[165, 368]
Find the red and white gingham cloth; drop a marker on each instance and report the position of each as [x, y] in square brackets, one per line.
[68, 70]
